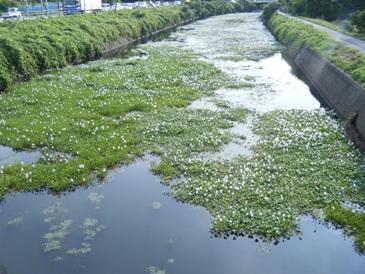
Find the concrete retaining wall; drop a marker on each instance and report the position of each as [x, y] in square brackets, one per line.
[338, 90]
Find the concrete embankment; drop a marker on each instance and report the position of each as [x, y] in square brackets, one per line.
[338, 90]
[123, 43]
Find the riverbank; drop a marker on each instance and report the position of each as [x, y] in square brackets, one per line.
[335, 71]
[28, 48]
[123, 43]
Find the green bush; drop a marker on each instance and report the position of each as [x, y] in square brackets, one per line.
[268, 10]
[30, 47]
[358, 20]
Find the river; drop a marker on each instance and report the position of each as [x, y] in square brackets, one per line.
[128, 225]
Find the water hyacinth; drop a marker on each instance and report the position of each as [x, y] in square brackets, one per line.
[85, 248]
[155, 270]
[156, 205]
[90, 228]
[96, 199]
[59, 229]
[52, 245]
[90, 118]
[56, 234]
[79, 117]
[291, 172]
[16, 222]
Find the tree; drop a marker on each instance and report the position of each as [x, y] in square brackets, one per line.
[268, 10]
[358, 20]
[326, 9]
[4, 4]
[297, 7]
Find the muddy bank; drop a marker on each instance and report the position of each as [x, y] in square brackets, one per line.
[340, 92]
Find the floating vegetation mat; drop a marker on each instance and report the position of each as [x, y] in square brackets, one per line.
[87, 119]
[303, 162]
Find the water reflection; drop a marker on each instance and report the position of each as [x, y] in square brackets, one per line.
[173, 237]
[8, 156]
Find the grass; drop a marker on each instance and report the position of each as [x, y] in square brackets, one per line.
[295, 35]
[338, 26]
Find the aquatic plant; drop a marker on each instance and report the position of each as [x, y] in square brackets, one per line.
[292, 172]
[52, 245]
[96, 199]
[58, 258]
[90, 228]
[89, 222]
[85, 248]
[263, 248]
[89, 118]
[156, 205]
[56, 234]
[171, 261]
[98, 129]
[155, 270]
[54, 210]
[351, 220]
[16, 222]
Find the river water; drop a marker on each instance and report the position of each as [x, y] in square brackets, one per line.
[128, 225]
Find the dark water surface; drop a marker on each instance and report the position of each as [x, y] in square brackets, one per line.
[127, 225]
[138, 236]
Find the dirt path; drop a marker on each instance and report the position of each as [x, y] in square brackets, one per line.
[340, 37]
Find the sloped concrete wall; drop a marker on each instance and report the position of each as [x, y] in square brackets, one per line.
[343, 94]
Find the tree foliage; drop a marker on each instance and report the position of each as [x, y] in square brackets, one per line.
[358, 20]
[4, 4]
[330, 10]
[268, 11]
[326, 9]
[297, 7]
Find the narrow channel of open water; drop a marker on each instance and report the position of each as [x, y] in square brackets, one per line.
[127, 225]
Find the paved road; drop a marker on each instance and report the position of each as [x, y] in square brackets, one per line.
[340, 37]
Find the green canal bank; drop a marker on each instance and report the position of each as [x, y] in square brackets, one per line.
[336, 72]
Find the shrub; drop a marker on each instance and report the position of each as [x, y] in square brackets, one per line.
[358, 20]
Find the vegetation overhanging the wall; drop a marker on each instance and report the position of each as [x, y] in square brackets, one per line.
[32, 46]
[295, 35]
